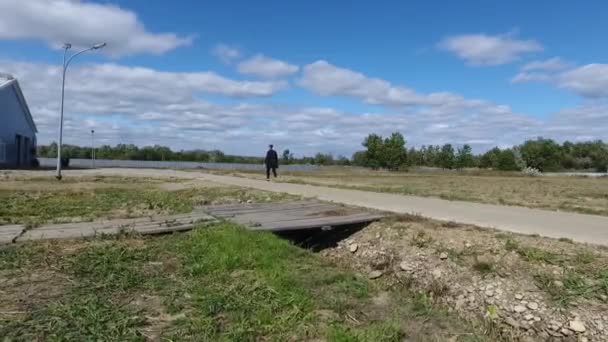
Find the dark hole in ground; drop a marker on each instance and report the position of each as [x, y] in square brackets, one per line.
[319, 239]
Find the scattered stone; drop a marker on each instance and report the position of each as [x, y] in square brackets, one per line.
[529, 317]
[467, 245]
[510, 321]
[537, 319]
[436, 273]
[519, 308]
[443, 255]
[489, 293]
[249, 201]
[565, 332]
[519, 297]
[353, 248]
[532, 305]
[405, 266]
[558, 283]
[584, 339]
[374, 274]
[604, 297]
[380, 261]
[577, 326]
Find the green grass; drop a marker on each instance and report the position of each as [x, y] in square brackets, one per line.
[422, 239]
[222, 283]
[483, 267]
[534, 254]
[115, 198]
[511, 244]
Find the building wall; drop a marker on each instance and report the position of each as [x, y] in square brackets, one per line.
[17, 137]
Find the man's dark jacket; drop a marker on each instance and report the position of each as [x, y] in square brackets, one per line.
[272, 159]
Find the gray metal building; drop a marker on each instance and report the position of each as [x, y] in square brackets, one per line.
[17, 128]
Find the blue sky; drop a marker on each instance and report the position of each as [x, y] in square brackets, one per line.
[313, 76]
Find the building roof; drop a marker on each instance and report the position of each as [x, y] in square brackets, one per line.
[7, 80]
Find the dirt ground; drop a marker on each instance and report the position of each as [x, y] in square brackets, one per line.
[535, 288]
[565, 193]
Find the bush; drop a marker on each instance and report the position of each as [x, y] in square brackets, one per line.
[532, 172]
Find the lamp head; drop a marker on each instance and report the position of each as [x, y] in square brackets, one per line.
[98, 46]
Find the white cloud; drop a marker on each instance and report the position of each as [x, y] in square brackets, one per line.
[589, 81]
[146, 106]
[541, 71]
[266, 67]
[83, 24]
[551, 64]
[327, 79]
[226, 53]
[483, 49]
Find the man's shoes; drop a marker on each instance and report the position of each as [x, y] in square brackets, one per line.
[268, 179]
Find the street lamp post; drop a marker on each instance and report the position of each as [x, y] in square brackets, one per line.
[93, 148]
[66, 47]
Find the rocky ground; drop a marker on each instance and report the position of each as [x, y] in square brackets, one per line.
[527, 288]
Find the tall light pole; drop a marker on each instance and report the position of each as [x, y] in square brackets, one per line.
[66, 47]
[93, 148]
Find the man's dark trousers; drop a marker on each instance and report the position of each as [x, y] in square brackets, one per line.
[274, 171]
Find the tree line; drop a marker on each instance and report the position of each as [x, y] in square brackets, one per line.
[379, 152]
[542, 154]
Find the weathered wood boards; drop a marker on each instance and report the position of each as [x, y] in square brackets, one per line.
[146, 225]
[292, 215]
[267, 216]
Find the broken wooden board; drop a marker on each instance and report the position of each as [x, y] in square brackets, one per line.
[9, 233]
[297, 215]
[144, 226]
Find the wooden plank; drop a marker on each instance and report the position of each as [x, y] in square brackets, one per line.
[289, 211]
[319, 222]
[258, 205]
[150, 225]
[290, 206]
[122, 222]
[293, 215]
[9, 233]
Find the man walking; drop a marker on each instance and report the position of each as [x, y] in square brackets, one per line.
[272, 162]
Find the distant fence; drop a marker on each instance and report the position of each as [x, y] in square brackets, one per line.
[148, 164]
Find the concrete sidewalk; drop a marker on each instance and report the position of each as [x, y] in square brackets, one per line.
[578, 227]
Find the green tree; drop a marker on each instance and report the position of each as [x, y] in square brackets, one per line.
[490, 159]
[373, 143]
[323, 159]
[541, 154]
[287, 157]
[393, 153]
[506, 161]
[446, 157]
[360, 158]
[464, 157]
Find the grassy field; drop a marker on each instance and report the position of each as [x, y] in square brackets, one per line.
[223, 283]
[576, 194]
[33, 201]
[218, 283]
